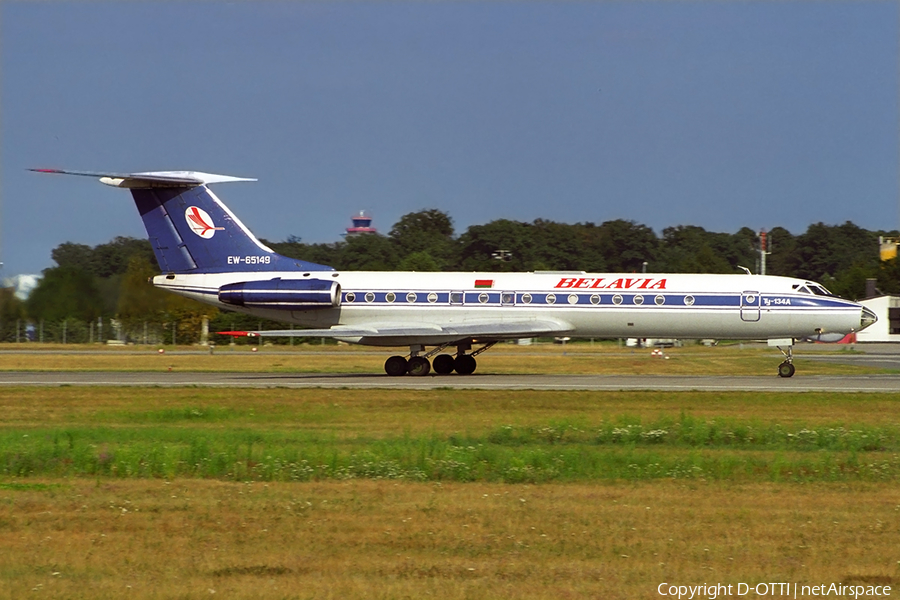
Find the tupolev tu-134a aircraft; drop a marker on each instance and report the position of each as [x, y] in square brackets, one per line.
[206, 253]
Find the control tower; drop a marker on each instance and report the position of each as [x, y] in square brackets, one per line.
[361, 224]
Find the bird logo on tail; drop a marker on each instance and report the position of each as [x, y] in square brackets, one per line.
[200, 222]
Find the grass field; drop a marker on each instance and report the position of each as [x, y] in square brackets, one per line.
[108, 538]
[582, 358]
[447, 435]
[279, 493]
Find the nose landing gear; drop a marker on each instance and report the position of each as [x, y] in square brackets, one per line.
[786, 369]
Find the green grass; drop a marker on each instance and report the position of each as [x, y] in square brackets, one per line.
[447, 435]
[622, 449]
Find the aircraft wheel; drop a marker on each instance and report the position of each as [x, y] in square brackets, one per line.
[419, 366]
[395, 365]
[786, 369]
[464, 364]
[442, 364]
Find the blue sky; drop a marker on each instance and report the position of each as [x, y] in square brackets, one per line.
[718, 114]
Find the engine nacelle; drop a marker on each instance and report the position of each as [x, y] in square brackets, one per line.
[283, 294]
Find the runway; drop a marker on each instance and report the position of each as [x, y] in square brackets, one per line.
[798, 383]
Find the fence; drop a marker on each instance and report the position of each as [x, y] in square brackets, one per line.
[182, 332]
[76, 331]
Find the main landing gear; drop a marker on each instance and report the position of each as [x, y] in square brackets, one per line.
[443, 364]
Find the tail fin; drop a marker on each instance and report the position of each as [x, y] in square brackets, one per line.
[190, 229]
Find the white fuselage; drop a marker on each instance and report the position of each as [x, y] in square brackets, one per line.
[599, 305]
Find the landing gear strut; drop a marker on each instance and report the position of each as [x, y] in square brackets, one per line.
[465, 364]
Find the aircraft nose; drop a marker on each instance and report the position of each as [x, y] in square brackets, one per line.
[867, 318]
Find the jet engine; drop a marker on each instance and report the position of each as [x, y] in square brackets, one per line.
[283, 294]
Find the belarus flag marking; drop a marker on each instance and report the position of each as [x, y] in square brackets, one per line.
[484, 283]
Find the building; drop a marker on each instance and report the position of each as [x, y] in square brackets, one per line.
[362, 223]
[888, 248]
[887, 328]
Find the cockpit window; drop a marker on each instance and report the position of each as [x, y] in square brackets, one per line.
[815, 289]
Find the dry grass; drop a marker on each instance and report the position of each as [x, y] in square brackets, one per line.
[365, 539]
[582, 359]
[378, 413]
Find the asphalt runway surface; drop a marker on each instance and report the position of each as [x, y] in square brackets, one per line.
[773, 383]
[881, 356]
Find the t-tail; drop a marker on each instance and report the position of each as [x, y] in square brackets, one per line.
[190, 229]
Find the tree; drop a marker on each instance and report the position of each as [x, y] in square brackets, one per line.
[103, 260]
[588, 239]
[889, 276]
[322, 254]
[691, 249]
[74, 256]
[477, 246]
[370, 252]
[626, 245]
[825, 250]
[418, 261]
[12, 311]
[187, 315]
[850, 283]
[782, 245]
[428, 231]
[65, 293]
[113, 258]
[139, 300]
[140, 303]
[557, 246]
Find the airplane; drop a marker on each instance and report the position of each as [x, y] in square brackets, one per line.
[206, 253]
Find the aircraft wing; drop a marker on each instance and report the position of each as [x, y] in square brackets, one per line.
[487, 329]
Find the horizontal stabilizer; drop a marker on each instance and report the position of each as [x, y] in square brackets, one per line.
[152, 179]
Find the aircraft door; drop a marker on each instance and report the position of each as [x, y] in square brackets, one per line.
[750, 303]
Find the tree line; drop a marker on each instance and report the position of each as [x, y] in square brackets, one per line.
[102, 292]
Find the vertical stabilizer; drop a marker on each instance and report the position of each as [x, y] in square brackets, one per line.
[190, 229]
